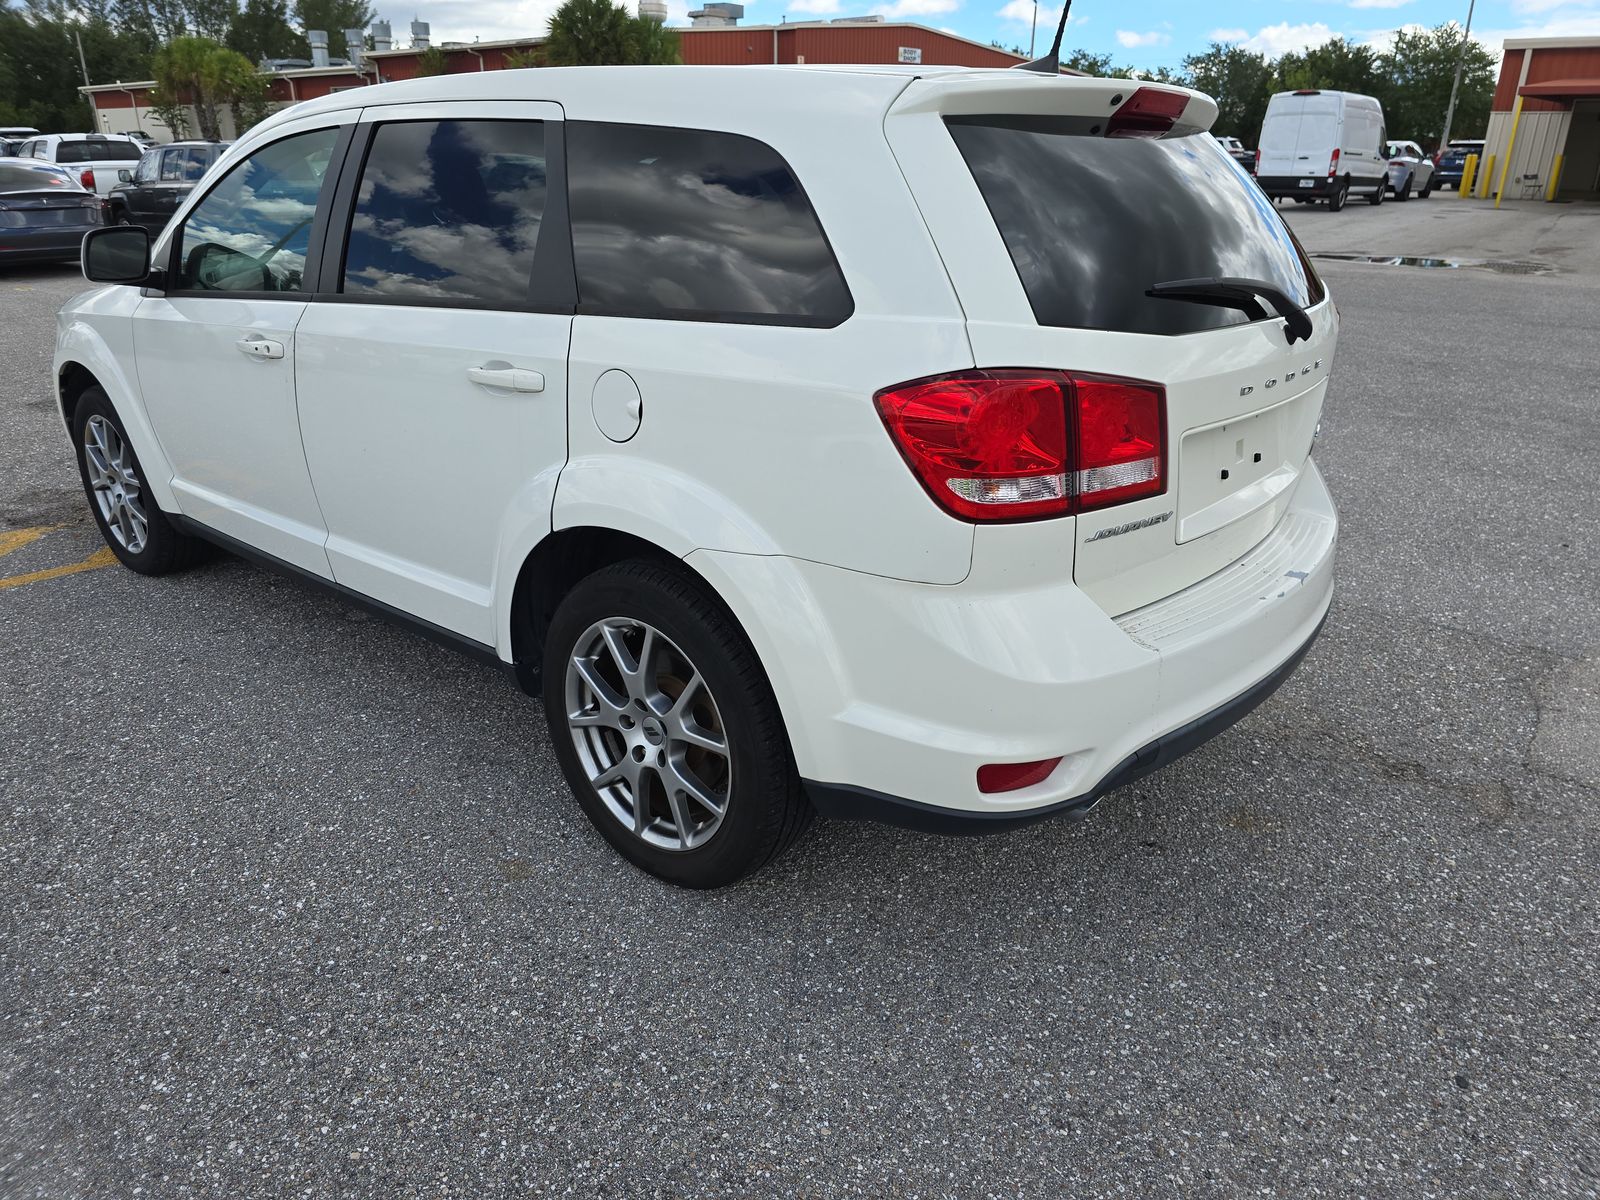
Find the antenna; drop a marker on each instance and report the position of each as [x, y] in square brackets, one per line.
[1050, 64]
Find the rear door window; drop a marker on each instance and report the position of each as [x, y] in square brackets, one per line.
[690, 224]
[449, 212]
[1091, 223]
[88, 150]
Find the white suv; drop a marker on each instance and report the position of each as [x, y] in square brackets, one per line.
[925, 445]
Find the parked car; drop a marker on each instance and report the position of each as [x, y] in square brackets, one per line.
[1454, 160]
[93, 158]
[143, 138]
[825, 440]
[1410, 169]
[150, 193]
[1237, 152]
[44, 212]
[1318, 145]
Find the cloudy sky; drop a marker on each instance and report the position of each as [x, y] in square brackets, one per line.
[1140, 33]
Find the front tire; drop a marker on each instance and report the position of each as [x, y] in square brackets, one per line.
[137, 531]
[666, 727]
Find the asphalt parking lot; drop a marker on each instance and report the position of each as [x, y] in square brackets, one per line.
[297, 904]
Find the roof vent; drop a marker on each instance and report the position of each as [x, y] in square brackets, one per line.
[716, 16]
[319, 46]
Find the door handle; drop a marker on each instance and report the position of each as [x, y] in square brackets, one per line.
[259, 347]
[513, 379]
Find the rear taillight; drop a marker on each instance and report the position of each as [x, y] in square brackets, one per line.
[1258, 162]
[87, 179]
[1012, 445]
[1333, 165]
[1148, 113]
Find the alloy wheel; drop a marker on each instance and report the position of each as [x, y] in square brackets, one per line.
[116, 486]
[649, 735]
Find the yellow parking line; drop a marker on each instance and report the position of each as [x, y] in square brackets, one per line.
[16, 539]
[100, 558]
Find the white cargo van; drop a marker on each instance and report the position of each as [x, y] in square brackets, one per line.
[1323, 146]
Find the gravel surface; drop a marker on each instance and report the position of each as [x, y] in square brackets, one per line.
[297, 904]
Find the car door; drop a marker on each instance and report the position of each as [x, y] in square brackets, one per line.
[216, 352]
[137, 196]
[432, 371]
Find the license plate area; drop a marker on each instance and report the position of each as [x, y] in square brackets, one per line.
[1305, 183]
[1232, 468]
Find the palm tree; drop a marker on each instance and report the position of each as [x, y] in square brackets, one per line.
[588, 33]
[654, 43]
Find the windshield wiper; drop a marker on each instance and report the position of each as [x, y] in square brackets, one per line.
[1243, 294]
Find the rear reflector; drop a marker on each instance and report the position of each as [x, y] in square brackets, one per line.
[1009, 777]
[1013, 445]
[1148, 113]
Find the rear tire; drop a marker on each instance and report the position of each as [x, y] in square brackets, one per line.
[644, 674]
[1427, 189]
[1340, 194]
[137, 531]
[1404, 192]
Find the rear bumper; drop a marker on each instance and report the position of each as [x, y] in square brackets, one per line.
[895, 693]
[1290, 185]
[52, 243]
[841, 802]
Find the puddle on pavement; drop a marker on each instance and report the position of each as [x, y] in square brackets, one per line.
[1503, 266]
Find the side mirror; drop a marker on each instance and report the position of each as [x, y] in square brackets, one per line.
[124, 176]
[118, 254]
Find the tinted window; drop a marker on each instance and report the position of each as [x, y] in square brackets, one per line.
[171, 165]
[1091, 223]
[195, 161]
[27, 177]
[449, 211]
[688, 223]
[84, 150]
[253, 229]
[145, 172]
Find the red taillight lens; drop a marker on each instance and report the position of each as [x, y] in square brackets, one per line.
[1333, 165]
[1258, 161]
[989, 445]
[1148, 113]
[1121, 442]
[1009, 777]
[1011, 445]
[87, 179]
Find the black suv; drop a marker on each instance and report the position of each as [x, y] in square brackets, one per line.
[150, 193]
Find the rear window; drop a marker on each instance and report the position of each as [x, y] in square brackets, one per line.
[689, 224]
[1091, 223]
[14, 177]
[87, 151]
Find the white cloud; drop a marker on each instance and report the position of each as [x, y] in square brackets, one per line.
[1570, 25]
[1378, 3]
[1282, 38]
[1130, 40]
[1544, 6]
[918, 8]
[814, 6]
[1228, 35]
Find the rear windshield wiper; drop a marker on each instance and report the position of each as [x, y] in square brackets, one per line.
[1243, 294]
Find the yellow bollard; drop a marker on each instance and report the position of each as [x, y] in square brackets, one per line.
[1511, 146]
[1555, 178]
[1469, 176]
[1485, 179]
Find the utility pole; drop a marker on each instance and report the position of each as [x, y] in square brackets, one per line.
[1033, 29]
[1461, 61]
[83, 64]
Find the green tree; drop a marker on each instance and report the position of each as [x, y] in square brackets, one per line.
[1417, 74]
[1336, 65]
[588, 33]
[654, 43]
[209, 76]
[432, 62]
[39, 71]
[261, 30]
[517, 60]
[1240, 81]
[333, 17]
[1098, 65]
